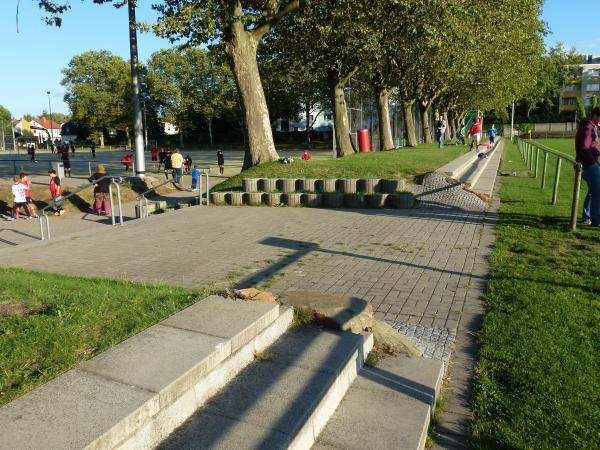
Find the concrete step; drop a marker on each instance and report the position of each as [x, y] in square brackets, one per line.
[455, 168]
[135, 394]
[282, 401]
[387, 407]
[474, 171]
[485, 183]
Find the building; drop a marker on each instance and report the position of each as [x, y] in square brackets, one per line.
[319, 119]
[45, 129]
[584, 83]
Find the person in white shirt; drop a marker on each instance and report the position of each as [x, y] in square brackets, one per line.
[19, 199]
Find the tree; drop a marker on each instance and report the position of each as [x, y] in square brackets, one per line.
[56, 116]
[5, 115]
[580, 109]
[98, 92]
[187, 81]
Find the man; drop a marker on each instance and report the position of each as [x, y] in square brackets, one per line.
[221, 161]
[586, 146]
[475, 133]
[177, 165]
[440, 127]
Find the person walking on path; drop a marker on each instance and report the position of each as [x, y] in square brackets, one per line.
[27, 185]
[56, 193]
[32, 152]
[101, 190]
[177, 165]
[492, 132]
[587, 152]
[64, 156]
[221, 161]
[73, 148]
[475, 133]
[127, 161]
[19, 199]
[93, 150]
[440, 129]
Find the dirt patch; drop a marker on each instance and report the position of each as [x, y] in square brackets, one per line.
[20, 310]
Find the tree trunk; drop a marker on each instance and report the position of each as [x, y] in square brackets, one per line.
[340, 115]
[409, 122]
[210, 133]
[386, 141]
[241, 48]
[308, 108]
[424, 109]
[180, 138]
[128, 137]
[448, 134]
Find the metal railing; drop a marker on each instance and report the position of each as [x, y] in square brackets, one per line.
[113, 181]
[142, 199]
[531, 154]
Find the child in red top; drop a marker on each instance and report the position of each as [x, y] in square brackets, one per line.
[56, 192]
[154, 154]
[306, 156]
[475, 133]
[127, 161]
[27, 185]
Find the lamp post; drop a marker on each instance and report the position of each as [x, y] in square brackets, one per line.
[138, 134]
[512, 120]
[50, 109]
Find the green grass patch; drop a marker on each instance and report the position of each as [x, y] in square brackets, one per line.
[402, 163]
[537, 381]
[49, 323]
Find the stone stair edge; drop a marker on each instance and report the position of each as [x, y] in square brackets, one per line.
[458, 166]
[226, 359]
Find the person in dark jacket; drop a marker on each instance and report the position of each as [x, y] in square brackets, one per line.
[586, 147]
[221, 161]
[101, 190]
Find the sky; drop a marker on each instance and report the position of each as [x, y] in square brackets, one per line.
[32, 59]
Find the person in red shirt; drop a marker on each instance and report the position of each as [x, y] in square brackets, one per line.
[56, 192]
[24, 180]
[154, 154]
[587, 153]
[306, 156]
[127, 161]
[475, 133]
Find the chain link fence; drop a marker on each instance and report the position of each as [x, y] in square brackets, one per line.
[8, 141]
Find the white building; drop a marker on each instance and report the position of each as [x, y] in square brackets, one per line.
[44, 129]
[320, 120]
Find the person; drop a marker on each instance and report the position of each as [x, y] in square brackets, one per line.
[168, 167]
[587, 153]
[440, 130]
[195, 178]
[306, 156]
[101, 190]
[66, 161]
[127, 161]
[93, 149]
[27, 185]
[177, 165]
[19, 200]
[73, 148]
[154, 154]
[161, 158]
[32, 152]
[461, 134]
[52, 150]
[492, 132]
[475, 133]
[221, 161]
[56, 193]
[187, 164]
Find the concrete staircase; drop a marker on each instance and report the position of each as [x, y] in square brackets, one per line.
[230, 374]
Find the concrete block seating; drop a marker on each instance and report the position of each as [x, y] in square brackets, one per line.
[268, 185]
[308, 184]
[328, 186]
[376, 200]
[236, 198]
[135, 394]
[349, 186]
[293, 199]
[369, 186]
[255, 198]
[273, 198]
[217, 198]
[250, 184]
[288, 185]
[354, 200]
[312, 200]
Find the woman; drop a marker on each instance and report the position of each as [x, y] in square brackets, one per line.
[101, 190]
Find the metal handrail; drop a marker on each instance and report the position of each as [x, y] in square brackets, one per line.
[142, 196]
[114, 180]
[530, 151]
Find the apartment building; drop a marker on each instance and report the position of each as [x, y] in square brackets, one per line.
[585, 83]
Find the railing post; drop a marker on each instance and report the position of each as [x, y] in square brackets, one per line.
[544, 170]
[556, 180]
[576, 189]
[200, 190]
[90, 168]
[112, 206]
[120, 204]
[537, 155]
[207, 189]
[41, 228]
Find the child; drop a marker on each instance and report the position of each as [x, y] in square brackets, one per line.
[492, 132]
[19, 199]
[306, 156]
[195, 178]
[56, 192]
[187, 164]
[221, 161]
[27, 185]
[127, 161]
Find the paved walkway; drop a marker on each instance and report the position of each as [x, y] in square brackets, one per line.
[424, 270]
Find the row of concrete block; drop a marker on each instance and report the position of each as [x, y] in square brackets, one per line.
[403, 200]
[327, 186]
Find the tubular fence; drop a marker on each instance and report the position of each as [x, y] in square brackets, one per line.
[531, 154]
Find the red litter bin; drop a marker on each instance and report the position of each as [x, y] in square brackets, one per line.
[364, 144]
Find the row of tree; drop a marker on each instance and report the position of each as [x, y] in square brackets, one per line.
[451, 55]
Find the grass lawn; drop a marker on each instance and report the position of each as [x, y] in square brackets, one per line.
[405, 162]
[538, 378]
[49, 323]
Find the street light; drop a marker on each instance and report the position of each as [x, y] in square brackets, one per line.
[512, 120]
[50, 109]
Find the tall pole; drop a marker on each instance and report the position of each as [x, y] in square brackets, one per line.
[145, 127]
[2, 126]
[512, 120]
[138, 135]
[50, 109]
